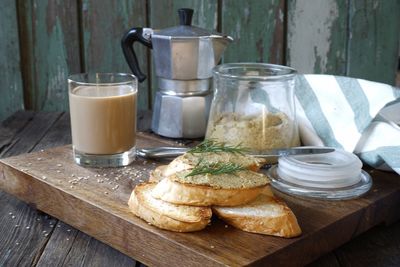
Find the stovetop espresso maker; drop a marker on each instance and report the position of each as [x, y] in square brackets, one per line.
[183, 57]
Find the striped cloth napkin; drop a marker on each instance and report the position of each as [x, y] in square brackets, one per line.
[356, 115]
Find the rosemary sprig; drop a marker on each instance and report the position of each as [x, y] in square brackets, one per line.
[215, 168]
[210, 145]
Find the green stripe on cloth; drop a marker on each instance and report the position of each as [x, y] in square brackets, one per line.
[385, 154]
[396, 92]
[313, 111]
[379, 118]
[358, 101]
[372, 158]
[391, 155]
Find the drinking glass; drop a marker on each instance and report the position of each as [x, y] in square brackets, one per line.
[103, 118]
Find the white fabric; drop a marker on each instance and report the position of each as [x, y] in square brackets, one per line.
[350, 114]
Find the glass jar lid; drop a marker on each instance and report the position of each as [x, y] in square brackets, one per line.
[185, 29]
[336, 175]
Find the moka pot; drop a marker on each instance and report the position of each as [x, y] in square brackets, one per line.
[184, 57]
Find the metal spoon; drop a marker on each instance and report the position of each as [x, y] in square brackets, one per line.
[169, 152]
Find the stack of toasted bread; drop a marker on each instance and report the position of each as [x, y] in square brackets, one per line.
[212, 178]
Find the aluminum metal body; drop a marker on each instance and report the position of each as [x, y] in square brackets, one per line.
[187, 56]
[179, 116]
[184, 57]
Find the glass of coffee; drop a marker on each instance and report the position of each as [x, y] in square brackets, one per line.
[103, 118]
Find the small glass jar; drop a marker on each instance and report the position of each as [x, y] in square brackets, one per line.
[253, 106]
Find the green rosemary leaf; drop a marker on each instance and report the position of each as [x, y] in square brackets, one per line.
[210, 145]
[215, 168]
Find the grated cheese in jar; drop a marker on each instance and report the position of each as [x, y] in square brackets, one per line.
[257, 132]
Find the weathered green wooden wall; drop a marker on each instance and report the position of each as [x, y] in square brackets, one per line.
[258, 30]
[49, 33]
[317, 36]
[374, 39]
[357, 38]
[43, 41]
[11, 94]
[103, 24]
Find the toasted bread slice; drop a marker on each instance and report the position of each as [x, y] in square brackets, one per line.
[268, 191]
[265, 215]
[209, 193]
[158, 173]
[179, 218]
[189, 160]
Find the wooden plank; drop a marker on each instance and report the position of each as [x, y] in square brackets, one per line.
[164, 14]
[26, 140]
[381, 248]
[47, 241]
[66, 245]
[328, 260]
[258, 30]
[70, 247]
[143, 120]
[103, 25]
[377, 247]
[105, 216]
[374, 40]
[49, 32]
[11, 126]
[11, 98]
[24, 231]
[380, 242]
[59, 133]
[317, 36]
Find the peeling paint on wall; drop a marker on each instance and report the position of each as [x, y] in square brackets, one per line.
[309, 34]
[358, 38]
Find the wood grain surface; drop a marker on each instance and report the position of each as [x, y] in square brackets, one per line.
[258, 30]
[43, 41]
[373, 38]
[11, 98]
[63, 245]
[21, 226]
[103, 25]
[32, 238]
[352, 38]
[94, 201]
[50, 37]
[317, 36]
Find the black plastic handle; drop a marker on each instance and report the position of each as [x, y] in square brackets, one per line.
[133, 35]
[185, 16]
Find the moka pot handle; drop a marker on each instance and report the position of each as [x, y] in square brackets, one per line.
[143, 35]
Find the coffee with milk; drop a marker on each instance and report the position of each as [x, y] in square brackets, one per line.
[103, 118]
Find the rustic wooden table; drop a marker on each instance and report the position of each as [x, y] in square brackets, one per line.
[29, 237]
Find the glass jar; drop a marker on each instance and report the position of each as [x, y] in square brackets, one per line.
[253, 106]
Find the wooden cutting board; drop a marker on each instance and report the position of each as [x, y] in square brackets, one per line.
[94, 201]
